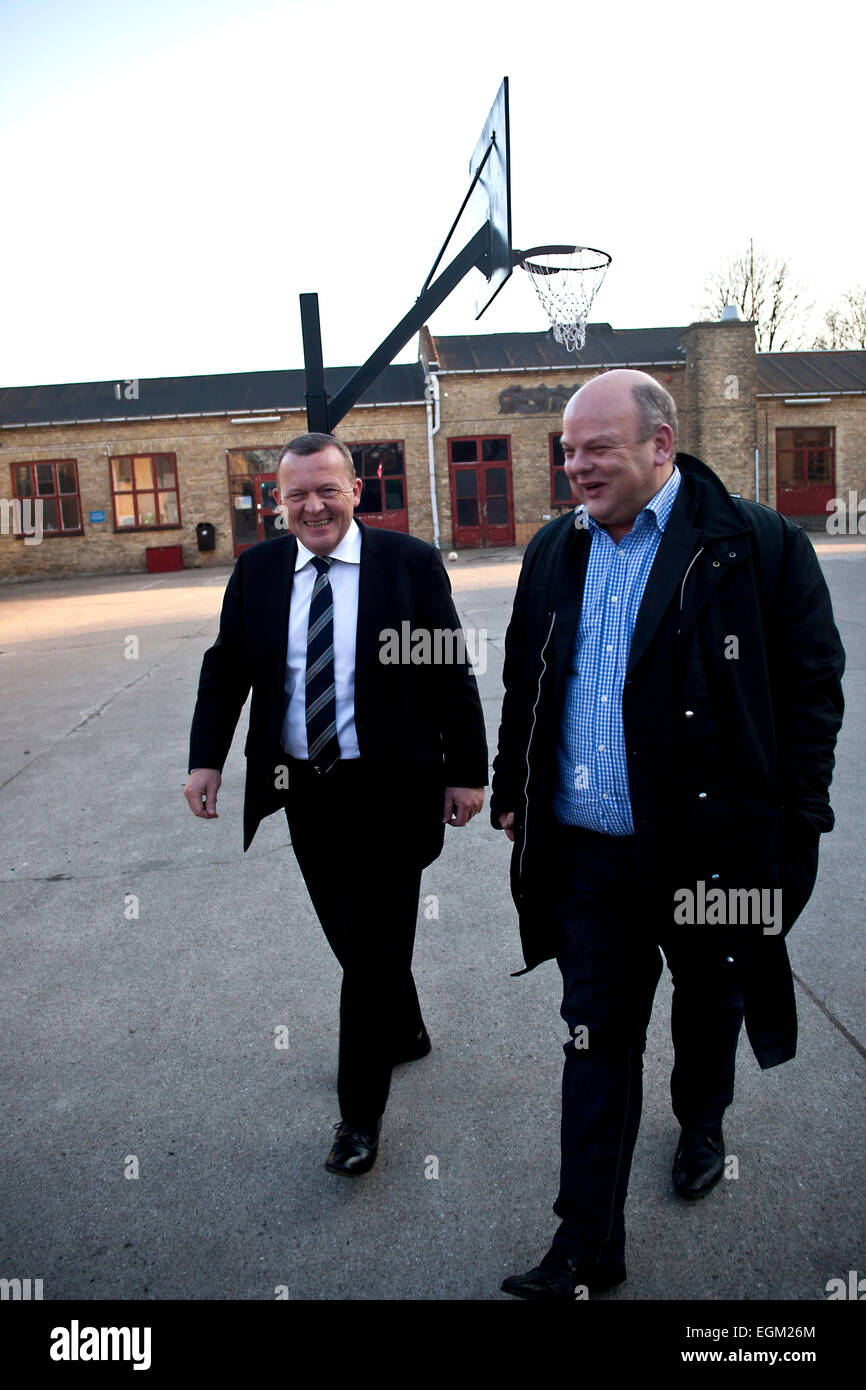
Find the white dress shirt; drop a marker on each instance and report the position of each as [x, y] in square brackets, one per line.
[344, 575]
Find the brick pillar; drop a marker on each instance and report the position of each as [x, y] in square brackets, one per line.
[719, 418]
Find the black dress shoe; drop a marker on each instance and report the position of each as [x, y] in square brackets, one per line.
[354, 1149]
[699, 1161]
[559, 1274]
[418, 1047]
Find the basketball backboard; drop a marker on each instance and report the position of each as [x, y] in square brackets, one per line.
[488, 249]
[491, 197]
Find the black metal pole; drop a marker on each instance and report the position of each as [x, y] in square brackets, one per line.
[314, 370]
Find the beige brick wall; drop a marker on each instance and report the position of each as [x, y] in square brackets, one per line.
[720, 421]
[718, 418]
[200, 447]
[847, 414]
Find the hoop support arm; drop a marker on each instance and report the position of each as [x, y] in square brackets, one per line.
[475, 251]
[478, 172]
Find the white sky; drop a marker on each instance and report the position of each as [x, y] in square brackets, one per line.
[176, 172]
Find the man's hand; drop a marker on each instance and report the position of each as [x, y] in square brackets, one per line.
[461, 804]
[201, 792]
[506, 820]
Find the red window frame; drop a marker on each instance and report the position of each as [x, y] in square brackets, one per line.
[394, 518]
[382, 478]
[557, 466]
[152, 488]
[55, 496]
[799, 453]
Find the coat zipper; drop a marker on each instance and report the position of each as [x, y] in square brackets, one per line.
[686, 575]
[529, 743]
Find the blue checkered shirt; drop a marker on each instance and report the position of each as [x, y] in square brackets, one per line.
[592, 788]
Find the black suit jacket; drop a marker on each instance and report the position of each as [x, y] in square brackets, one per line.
[420, 727]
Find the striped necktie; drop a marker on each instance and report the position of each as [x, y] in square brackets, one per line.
[320, 691]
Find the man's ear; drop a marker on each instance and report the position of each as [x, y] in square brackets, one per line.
[664, 444]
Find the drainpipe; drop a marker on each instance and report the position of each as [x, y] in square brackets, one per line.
[757, 479]
[431, 399]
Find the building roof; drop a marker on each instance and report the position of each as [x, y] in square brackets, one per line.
[604, 347]
[811, 373]
[226, 394]
[230, 393]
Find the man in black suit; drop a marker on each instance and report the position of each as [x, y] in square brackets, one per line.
[672, 700]
[352, 742]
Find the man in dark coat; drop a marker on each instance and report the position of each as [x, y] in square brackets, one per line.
[366, 726]
[672, 699]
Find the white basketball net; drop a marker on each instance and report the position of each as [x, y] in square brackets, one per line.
[566, 280]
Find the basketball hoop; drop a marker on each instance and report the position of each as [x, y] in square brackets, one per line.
[566, 280]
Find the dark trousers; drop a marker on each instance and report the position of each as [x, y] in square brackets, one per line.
[366, 898]
[611, 929]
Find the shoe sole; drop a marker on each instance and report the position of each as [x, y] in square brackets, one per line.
[689, 1196]
[533, 1295]
[347, 1172]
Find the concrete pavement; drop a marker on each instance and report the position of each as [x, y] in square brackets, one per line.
[150, 968]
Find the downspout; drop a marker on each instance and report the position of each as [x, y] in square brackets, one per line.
[431, 399]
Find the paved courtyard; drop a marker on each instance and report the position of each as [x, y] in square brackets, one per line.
[158, 1144]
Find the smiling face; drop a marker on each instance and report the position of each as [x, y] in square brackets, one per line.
[610, 469]
[318, 498]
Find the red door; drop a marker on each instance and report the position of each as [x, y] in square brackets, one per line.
[805, 472]
[254, 516]
[482, 504]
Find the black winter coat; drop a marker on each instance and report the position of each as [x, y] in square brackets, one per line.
[729, 758]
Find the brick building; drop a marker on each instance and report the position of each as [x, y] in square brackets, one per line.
[460, 447]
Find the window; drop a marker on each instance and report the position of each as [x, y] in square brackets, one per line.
[804, 457]
[560, 490]
[144, 488]
[54, 484]
[382, 469]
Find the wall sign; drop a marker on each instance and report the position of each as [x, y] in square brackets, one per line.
[535, 400]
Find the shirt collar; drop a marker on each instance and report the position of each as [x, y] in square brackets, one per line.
[664, 499]
[349, 549]
[660, 506]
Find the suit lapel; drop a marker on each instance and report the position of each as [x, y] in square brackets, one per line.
[275, 605]
[371, 583]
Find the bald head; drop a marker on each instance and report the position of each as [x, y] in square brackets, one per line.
[652, 403]
[619, 440]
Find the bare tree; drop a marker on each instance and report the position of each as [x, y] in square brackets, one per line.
[764, 292]
[845, 323]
